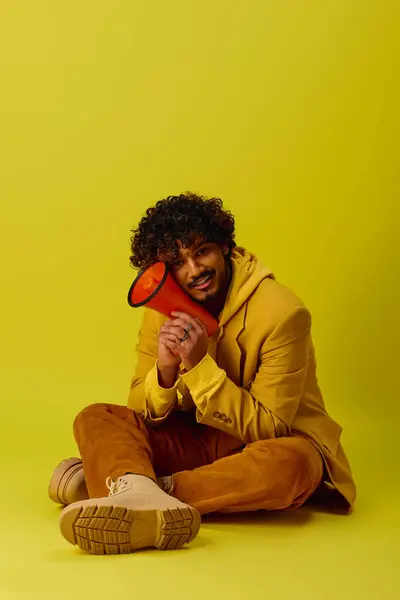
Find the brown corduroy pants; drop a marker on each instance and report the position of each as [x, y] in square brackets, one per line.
[212, 470]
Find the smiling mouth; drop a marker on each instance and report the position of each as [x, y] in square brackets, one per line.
[202, 283]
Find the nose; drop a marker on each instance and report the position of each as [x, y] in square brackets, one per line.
[193, 270]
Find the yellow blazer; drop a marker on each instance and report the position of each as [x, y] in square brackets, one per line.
[259, 372]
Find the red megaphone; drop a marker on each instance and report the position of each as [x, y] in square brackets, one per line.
[156, 288]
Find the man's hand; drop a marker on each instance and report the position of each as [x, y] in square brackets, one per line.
[194, 348]
[167, 358]
[168, 361]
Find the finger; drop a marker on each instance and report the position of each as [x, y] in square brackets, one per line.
[180, 323]
[178, 331]
[185, 347]
[180, 314]
[187, 344]
[181, 330]
[168, 337]
[189, 319]
[172, 346]
[204, 328]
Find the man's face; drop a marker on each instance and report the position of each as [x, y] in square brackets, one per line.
[201, 270]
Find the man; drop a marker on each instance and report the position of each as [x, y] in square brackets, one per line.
[235, 422]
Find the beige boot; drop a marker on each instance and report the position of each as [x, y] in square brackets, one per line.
[136, 514]
[67, 484]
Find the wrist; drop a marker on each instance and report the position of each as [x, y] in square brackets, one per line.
[191, 364]
[167, 375]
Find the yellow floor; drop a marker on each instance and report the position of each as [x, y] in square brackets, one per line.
[304, 554]
[299, 555]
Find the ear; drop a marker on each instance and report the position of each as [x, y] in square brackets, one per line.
[225, 250]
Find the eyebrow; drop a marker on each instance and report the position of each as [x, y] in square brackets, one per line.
[196, 248]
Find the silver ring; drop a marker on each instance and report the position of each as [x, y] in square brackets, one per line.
[185, 337]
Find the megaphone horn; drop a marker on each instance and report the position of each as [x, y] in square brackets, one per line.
[155, 288]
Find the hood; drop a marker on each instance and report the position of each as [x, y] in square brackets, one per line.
[247, 273]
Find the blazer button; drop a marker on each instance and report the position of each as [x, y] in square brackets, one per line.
[224, 417]
[217, 415]
[229, 421]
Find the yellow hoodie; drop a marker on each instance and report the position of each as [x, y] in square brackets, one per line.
[259, 374]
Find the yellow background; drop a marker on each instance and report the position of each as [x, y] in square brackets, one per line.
[288, 111]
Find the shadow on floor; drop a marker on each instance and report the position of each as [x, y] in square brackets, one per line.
[325, 501]
[298, 517]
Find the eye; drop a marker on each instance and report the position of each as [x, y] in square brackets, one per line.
[177, 264]
[203, 251]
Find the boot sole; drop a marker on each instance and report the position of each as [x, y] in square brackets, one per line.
[118, 530]
[61, 478]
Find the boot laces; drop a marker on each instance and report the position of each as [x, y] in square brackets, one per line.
[116, 487]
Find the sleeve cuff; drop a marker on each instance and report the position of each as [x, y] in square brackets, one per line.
[202, 379]
[160, 401]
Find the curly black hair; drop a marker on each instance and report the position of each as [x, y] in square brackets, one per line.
[187, 218]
